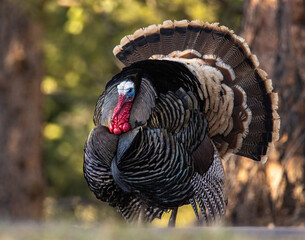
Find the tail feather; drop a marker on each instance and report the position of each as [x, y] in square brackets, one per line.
[166, 37]
[210, 39]
[243, 68]
[251, 78]
[180, 34]
[238, 53]
[129, 48]
[264, 137]
[152, 34]
[141, 42]
[193, 31]
[228, 45]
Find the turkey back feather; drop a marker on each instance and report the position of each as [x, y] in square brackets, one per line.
[240, 105]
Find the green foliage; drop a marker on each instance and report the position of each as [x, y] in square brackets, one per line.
[79, 36]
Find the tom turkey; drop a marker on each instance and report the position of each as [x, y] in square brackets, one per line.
[191, 94]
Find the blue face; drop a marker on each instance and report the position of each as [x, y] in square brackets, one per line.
[127, 89]
[130, 93]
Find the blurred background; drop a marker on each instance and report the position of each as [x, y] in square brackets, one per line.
[55, 59]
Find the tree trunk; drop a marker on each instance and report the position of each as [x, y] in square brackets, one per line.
[275, 192]
[21, 188]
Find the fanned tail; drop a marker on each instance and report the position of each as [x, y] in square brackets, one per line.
[240, 105]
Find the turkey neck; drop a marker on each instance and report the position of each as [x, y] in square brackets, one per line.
[121, 113]
[120, 116]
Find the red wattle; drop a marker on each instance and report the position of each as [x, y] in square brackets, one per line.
[117, 131]
[119, 121]
[126, 127]
[111, 128]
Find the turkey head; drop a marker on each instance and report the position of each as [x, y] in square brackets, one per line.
[119, 122]
[125, 104]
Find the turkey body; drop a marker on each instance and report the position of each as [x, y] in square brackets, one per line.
[190, 95]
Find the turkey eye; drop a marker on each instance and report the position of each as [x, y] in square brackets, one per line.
[130, 89]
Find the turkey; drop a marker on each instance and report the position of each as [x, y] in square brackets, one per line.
[190, 95]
